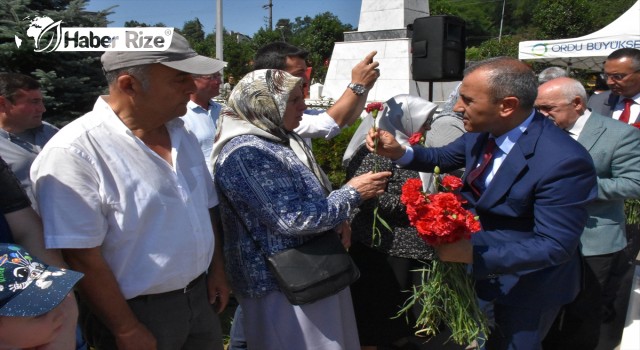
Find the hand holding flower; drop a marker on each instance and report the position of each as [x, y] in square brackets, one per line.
[416, 138]
[387, 146]
[460, 251]
[376, 236]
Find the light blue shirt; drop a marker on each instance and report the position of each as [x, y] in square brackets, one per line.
[504, 145]
[203, 124]
[19, 151]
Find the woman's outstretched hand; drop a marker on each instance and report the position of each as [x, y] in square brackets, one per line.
[370, 184]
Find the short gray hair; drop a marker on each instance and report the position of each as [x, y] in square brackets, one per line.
[572, 89]
[141, 73]
[551, 73]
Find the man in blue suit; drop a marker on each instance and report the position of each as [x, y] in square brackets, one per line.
[615, 149]
[531, 199]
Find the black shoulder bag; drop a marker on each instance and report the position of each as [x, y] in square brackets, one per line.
[316, 269]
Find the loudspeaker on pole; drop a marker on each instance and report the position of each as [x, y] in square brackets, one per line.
[438, 48]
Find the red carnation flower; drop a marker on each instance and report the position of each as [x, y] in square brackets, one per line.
[374, 106]
[451, 183]
[416, 138]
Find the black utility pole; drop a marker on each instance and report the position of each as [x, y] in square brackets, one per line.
[269, 7]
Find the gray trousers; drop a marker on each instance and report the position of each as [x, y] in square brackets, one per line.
[179, 321]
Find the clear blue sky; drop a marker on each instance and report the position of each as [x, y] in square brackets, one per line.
[243, 16]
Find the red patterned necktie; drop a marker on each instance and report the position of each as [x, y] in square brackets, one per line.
[626, 112]
[476, 174]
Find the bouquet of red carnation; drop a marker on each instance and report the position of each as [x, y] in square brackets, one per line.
[446, 294]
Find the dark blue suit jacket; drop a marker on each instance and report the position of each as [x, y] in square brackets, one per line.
[532, 213]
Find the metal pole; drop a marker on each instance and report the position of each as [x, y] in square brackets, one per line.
[219, 31]
[269, 7]
[501, 20]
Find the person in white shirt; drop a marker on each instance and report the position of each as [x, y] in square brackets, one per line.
[125, 193]
[202, 112]
[345, 111]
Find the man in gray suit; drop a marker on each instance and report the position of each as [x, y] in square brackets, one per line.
[615, 149]
[622, 73]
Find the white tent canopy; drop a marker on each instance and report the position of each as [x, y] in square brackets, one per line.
[590, 51]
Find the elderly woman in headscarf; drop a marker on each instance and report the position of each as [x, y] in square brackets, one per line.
[274, 196]
[387, 266]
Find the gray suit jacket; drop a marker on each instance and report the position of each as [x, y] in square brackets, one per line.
[604, 104]
[615, 150]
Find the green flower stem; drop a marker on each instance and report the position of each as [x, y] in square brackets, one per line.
[446, 295]
[376, 235]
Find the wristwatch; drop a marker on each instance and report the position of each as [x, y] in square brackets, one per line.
[357, 89]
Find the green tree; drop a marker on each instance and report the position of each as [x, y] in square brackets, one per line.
[329, 154]
[482, 17]
[193, 31]
[238, 53]
[318, 36]
[605, 12]
[133, 24]
[71, 81]
[575, 18]
[285, 28]
[265, 36]
[507, 46]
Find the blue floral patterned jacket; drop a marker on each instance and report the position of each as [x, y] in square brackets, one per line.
[270, 201]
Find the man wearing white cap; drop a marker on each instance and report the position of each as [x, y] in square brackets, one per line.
[124, 192]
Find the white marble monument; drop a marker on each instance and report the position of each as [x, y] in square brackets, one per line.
[382, 27]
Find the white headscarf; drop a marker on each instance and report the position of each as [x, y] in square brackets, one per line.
[256, 106]
[402, 116]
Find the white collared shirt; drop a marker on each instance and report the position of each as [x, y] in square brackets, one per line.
[316, 124]
[575, 130]
[202, 122]
[635, 109]
[98, 185]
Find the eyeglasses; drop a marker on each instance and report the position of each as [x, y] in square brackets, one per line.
[617, 76]
[214, 76]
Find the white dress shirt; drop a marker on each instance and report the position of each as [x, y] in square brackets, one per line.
[316, 124]
[634, 109]
[575, 130]
[98, 185]
[202, 122]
